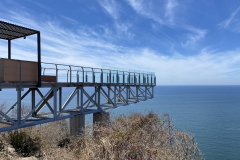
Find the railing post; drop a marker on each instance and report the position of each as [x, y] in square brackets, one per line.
[70, 74]
[123, 78]
[117, 77]
[77, 77]
[93, 75]
[147, 79]
[101, 76]
[67, 76]
[134, 79]
[44, 71]
[110, 77]
[83, 74]
[129, 79]
[139, 81]
[56, 73]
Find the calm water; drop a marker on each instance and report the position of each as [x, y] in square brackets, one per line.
[210, 113]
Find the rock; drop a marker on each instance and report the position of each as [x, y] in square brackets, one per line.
[10, 150]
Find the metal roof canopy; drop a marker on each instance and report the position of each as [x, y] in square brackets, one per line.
[9, 31]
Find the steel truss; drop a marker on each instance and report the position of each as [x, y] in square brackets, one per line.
[115, 96]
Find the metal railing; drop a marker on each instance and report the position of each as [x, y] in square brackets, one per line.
[80, 74]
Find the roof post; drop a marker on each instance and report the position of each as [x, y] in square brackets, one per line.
[39, 58]
[9, 49]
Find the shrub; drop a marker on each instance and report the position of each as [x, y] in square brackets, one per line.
[24, 144]
[64, 142]
[137, 137]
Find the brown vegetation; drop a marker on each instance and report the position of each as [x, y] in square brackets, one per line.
[127, 137]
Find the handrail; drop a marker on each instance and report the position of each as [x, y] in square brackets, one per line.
[100, 75]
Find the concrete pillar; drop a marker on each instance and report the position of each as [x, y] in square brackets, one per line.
[101, 118]
[77, 125]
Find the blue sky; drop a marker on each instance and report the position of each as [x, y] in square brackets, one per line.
[184, 42]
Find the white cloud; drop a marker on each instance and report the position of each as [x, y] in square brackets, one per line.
[225, 24]
[194, 36]
[169, 7]
[111, 7]
[232, 23]
[73, 21]
[143, 9]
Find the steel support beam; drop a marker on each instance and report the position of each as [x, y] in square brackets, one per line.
[115, 96]
[19, 90]
[152, 91]
[60, 98]
[77, 97]
[99, 98]
[127, 92]
[9, 49]
[145, 92]
[137, 93]
[33, 100]
[108, 94]
[39, 59]
[55, 102]
[81, 99]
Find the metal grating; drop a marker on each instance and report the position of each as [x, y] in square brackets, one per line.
[10, 31]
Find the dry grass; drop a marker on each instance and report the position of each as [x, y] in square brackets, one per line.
[137, 137]
[127, 137]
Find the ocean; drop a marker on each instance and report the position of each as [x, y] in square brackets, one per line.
[210, 113]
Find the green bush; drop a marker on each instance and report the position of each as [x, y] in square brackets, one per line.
[24, 144]
[64, 142]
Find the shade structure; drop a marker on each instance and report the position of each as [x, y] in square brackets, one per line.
[10, 31]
